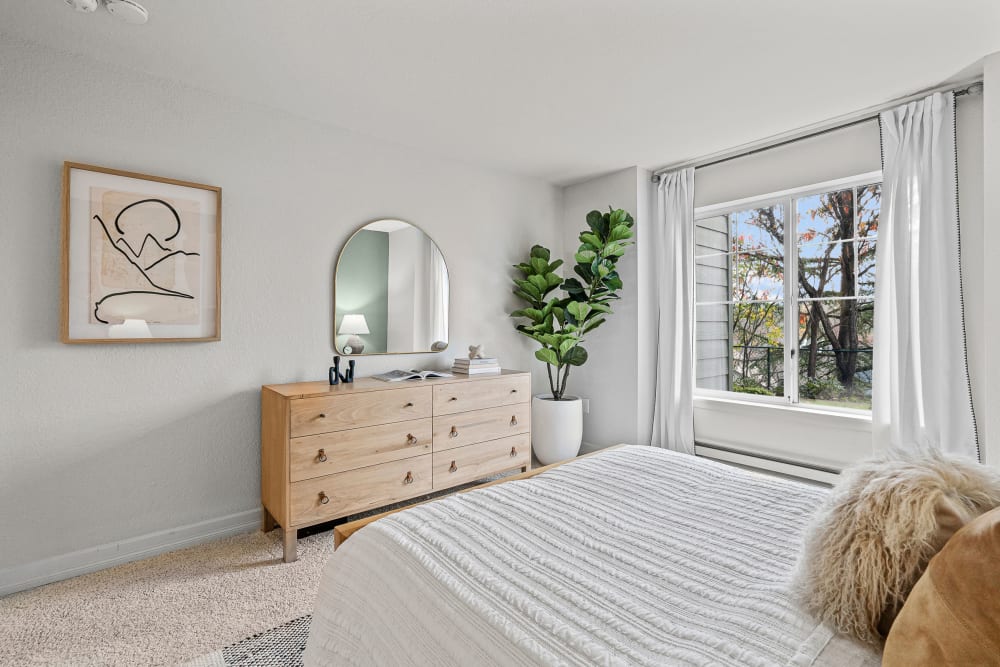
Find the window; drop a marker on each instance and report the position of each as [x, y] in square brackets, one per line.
[787, 281]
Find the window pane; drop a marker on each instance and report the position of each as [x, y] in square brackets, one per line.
[825, 217]
[866, 267]
[759, 230]
[759, 276]
[758, 348]
[822, 269]
[835, 352]
[711, 278]
[869, 207]
[712, 346]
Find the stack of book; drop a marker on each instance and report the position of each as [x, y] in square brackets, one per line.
[476, 366]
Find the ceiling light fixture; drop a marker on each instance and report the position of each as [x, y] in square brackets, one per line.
[128, 11]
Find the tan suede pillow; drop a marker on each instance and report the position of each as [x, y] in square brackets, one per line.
[952, 616]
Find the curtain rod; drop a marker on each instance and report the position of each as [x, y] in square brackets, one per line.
[969, 87]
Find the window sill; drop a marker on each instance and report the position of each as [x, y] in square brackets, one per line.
[864, 416]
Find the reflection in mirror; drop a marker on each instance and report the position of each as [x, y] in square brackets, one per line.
[391, 292]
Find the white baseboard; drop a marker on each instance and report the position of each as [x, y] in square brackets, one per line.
[75, 563]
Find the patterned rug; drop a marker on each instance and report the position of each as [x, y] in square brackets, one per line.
[282, 646]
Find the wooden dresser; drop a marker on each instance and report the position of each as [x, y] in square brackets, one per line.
[331, 451]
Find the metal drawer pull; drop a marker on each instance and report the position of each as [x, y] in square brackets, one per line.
[323, 499]
[513, 391]
[513, 452]
[411, 439]
[454, 432]
[408, 405]
[322, 415]
[513, 420]
[453, 398]
[453, 467]
[408, 479]
[321, 456]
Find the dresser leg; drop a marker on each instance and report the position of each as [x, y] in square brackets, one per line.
[289, 537]
[267, 521]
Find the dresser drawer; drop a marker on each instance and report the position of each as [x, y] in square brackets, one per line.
[359, 490]
[479, 394]
[318, 455]
[337, 413]
[472, 462]
[466, 428]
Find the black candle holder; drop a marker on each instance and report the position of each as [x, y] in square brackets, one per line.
[336, 377]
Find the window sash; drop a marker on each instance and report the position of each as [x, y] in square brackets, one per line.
[791, 299]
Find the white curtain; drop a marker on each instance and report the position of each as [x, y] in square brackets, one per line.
[921, 392]
[439, 293]
[673, 266]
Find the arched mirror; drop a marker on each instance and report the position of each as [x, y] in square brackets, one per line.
[391, 292]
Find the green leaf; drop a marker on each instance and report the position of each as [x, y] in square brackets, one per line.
[592, 239]
[594, 219]
[539, 265]
[555, 265]
[576, 357]
[593, 324]
[573, 288]
[620, 233]
[548, 356]
[584, 272]
[602, 270]
[585, 256]
[531, 289]
[540, 252]
[567, 345]
[578, 309]
[552, 280]
[616, 217]
[612, 249]
[600, 307]
[539, 282]
[613, 282]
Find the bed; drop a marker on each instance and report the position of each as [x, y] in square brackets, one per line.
[634, 556]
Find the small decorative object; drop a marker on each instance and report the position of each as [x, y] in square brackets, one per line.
[140, 258]
[336, 377]
[559, 324]
[476, 352]
[353, 324]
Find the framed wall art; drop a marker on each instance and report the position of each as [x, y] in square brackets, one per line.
[140, 258]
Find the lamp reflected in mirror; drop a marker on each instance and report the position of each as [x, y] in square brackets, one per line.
[352, 325]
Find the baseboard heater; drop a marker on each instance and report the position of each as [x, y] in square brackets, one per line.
[769, 463]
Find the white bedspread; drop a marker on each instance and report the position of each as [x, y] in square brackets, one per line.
[636, 556]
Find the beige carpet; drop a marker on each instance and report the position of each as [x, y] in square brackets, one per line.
[166, 609]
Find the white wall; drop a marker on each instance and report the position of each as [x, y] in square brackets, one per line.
[608, 378]
[101, 444]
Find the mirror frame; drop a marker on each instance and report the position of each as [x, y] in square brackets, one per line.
[336, 269]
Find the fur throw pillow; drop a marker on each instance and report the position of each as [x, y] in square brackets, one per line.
[881, 524]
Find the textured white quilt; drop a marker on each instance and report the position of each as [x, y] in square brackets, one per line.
[636, 556]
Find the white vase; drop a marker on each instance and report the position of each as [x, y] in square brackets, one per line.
[556, 428]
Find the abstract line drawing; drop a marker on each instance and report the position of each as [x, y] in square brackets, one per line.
[145, 258]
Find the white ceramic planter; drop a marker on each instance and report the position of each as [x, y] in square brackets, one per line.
[556, 427]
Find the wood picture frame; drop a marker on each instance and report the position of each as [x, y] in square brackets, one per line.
[141, 258]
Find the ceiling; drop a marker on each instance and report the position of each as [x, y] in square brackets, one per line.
[551, 89]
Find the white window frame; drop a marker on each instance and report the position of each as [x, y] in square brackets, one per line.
[790, 301]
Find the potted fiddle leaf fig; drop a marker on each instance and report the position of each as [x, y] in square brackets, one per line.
[558, 314]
